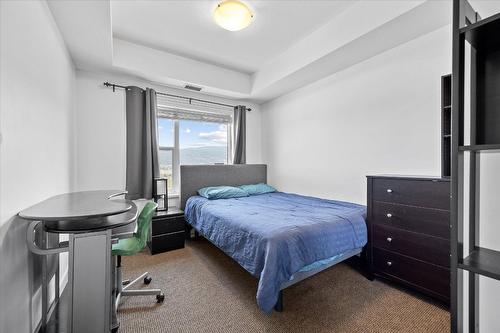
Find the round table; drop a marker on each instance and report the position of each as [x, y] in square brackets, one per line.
[89, 218]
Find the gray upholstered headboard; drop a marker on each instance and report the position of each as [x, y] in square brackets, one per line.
[194, 177]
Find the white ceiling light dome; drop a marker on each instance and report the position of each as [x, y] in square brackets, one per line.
[233, 15]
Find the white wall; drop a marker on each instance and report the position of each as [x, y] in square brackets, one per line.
[101, 136]
[380, 116]
[36, 151]
[100, 132]
[489, 210]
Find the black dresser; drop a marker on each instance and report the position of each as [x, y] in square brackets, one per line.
[409, 232]
[167, 231]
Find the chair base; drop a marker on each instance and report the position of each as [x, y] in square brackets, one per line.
[124, 288]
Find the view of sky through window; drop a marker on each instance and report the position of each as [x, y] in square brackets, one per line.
[202, 142]
[199, 143]
[166, 132]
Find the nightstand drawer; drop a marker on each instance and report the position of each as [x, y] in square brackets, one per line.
[430, 249]
[429, 194]
[414, 272]
[434, 222]
[164, 225]
[167, 242]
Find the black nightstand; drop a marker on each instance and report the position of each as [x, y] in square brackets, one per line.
[167, 231]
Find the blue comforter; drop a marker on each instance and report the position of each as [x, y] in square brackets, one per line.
[275, 235]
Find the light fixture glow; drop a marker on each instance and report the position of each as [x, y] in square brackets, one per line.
[233, 15]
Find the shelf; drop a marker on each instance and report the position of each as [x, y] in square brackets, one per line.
[482, 261]
[483, 34]
[445, 125]
[479, 147]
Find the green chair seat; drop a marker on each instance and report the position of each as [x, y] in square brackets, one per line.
[127, 247]
[137, 243]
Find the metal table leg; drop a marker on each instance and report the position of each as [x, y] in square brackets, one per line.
[90, 281]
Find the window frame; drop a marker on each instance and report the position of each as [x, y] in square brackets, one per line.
[175, 192]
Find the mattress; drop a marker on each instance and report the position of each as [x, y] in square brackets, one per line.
[275, 235]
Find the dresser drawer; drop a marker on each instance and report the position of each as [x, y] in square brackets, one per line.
[434, 222]
[166, 242]
[423, 193]
[414, 272]
[163, 225]
[431, 249]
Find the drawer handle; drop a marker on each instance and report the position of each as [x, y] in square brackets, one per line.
[389, 239]
[389, 190]
[389, 263]
[389, 215]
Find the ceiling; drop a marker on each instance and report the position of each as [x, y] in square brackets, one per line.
[187, 28]
[289, 44]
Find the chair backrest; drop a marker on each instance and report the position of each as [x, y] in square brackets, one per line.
[144, 223]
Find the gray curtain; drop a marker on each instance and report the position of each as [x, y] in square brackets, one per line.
[142, 142]
[239, 134]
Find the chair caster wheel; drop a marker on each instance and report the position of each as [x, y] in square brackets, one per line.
[148, 279]
[114, 330]
[160, 298]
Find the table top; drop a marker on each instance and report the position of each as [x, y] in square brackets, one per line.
[77, 206]
[93, 224]
[80, 212]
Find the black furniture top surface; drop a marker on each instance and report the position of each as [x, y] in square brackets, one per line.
[483, 261]
[171, 212]
[77, 206]
[79, 212]
[413, 177]
[118, 221]
[484, 33]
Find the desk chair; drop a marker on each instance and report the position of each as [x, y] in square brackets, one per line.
[131, 246]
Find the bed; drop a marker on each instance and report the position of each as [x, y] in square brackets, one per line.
[280, 238]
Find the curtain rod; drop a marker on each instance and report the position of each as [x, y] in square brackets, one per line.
[114, 86]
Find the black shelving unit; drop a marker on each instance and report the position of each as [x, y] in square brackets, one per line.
[484, 131]
[446, 126]
[479, 147]
[482, 261]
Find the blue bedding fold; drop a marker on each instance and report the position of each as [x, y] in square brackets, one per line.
[277, 234]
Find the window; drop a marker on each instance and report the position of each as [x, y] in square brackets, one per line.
[166, 141]
[188, 137]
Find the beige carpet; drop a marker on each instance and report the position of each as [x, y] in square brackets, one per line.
[208, 292]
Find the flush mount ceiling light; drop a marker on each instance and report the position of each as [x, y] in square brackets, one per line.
[233, 15]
